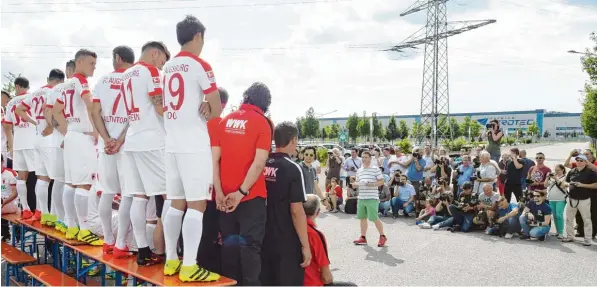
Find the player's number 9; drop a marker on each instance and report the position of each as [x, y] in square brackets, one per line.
[177, 93]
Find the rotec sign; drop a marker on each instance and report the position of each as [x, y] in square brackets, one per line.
[508, 122]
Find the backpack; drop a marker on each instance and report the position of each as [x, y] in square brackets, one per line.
[350, 207]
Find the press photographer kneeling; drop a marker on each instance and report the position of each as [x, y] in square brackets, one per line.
[536, 217]
[506, 221]
[463, 209]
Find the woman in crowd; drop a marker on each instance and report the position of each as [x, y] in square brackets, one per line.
[334, 194]
[502, 177]
[486, 173]
[556, 195]
[494, 138]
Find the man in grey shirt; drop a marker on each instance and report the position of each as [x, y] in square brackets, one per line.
[353, 163]
[309, 172]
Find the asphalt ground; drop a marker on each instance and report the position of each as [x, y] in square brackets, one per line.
[414, 256]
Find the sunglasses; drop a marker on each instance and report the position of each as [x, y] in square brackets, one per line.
[537, 195]
[539, 158]
[309, 154]
[580, 160]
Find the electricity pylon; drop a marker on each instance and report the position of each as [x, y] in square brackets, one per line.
[435, 96]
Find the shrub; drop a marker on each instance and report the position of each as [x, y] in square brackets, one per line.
[405, 145]
[457, 144]
[322, 155]
[528, 141]
[510, 140]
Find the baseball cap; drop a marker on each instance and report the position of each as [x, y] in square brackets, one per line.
[582, 156]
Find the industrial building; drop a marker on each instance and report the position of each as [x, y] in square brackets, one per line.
[556, 123]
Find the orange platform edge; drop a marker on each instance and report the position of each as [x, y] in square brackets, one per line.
[50, 276]
[12, 217]
[152, 274]
[15, 256]
[50, 232]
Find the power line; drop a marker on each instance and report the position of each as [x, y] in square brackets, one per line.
[186, 7]
[97, 2]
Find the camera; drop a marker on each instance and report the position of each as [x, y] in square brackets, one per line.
[576, 152]
[489, 126]
[444, 197]
[531, 221]
[551, 174]
[417, 155]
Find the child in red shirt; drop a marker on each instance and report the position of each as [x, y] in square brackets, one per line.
[334, 194]
[318, 273]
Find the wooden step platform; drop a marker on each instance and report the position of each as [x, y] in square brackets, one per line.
[151, 274]
[15, 256]
[49, 232]
[50, 276]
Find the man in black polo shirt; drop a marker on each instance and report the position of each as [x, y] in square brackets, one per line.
[286, 249]
[583, 185]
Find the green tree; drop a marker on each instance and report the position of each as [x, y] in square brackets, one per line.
[9, 85]
[465, 126]
[533, 130]
[377, 127]
[427, 129]
[364, 126]
[588, 117]
[416, 129]
[299, 126]
[403, 130]
[324, 133]
[334, 131]
[352, 124]
[475, 129]
[392, 130]
[310, 124]
[456, 131]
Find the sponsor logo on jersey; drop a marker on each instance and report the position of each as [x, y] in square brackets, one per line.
[236, 126]
[210, 76]
[270, 173]
[156, 82]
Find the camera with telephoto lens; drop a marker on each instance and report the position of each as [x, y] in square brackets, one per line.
[489, 126]
[532, 221]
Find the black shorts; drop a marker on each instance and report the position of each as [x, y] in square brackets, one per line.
[159, 205]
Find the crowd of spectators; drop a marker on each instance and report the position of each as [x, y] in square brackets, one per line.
[505, 195]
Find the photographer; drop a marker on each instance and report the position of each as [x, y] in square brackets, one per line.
[443, 169]
[442, 215]
[494, 138]
[404, 198]
[334, 164]
[462, 174]
[416, 165]
[463, 209]
[591, 161]
[556, 195]
[583, 186]
[537, 175]
[353, 163]
[506, 221]
[486, 173]
[426, 190]
[513, 176]
[535, 220]
[488, 200]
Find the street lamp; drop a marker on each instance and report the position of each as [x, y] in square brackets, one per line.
[581, 53]
[324, 114]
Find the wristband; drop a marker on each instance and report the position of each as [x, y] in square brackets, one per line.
[242, 192]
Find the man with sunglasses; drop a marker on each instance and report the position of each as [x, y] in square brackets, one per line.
[538, 173]
[591, 165]
[309, 172]
[536, 217]
[583, 187]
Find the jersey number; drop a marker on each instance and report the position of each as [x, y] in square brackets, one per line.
[129, 88]
[39, 105]
[13, 110]
[178, 93]
[68, 103]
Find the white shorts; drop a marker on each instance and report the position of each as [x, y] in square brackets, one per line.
[43, 158]
[189, 175]
[110, 172]
[80, 158]
[24, 160]
[144, 173]
[56, 167]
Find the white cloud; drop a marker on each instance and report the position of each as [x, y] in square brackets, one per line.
[518, 63]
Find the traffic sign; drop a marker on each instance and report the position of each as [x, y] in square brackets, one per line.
[343, 137]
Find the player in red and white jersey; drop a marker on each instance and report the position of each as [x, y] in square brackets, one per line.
[110, 119]
[188, 82]
[34, 104]
[21, 144]
[56, 167]
[4, 150]
[80, 158]
[143, 149]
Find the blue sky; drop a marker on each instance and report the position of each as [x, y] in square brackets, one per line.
[302, 51]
